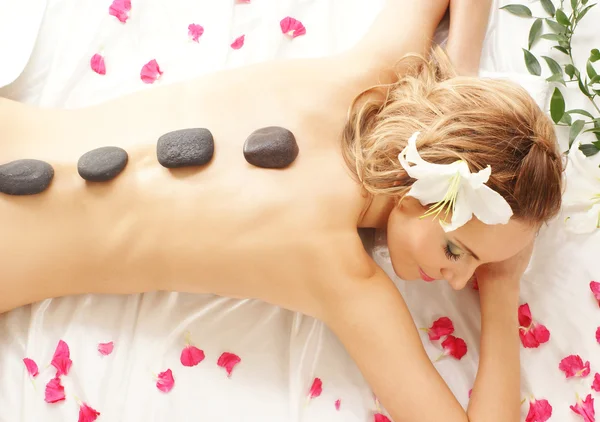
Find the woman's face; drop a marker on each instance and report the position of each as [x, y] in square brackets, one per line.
[421, 250]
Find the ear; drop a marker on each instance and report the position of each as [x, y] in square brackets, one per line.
[411, 206]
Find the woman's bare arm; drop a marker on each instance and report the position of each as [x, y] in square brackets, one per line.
[468, 24]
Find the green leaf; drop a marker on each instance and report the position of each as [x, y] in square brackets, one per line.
[570, 70]
[596, 144]
[533, 66]
[562, 18]
[551, 37]
[556, 78]
[595, 80]
[584, 11]
[518, 9]
[596, 91]
[576, 127]
[594, 55]
[589, 149]
[549, 7]
[574, 4]
[557, 105]
[580, 111]
[555, 26]
[590, 70]
[584, 2]
[566, 119]
[535, 32]
[561, 49]
[563, 44]
[583, 87]
[553, 66]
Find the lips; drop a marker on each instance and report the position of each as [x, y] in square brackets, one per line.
[425, 277]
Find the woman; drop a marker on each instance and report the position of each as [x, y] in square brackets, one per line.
[289, 237]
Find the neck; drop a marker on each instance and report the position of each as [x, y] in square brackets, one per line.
[377, 213]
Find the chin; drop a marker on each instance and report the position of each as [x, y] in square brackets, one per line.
[401, 271]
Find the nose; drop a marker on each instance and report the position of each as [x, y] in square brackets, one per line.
[457, 278]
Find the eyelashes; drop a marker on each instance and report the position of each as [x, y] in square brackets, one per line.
[449, 254]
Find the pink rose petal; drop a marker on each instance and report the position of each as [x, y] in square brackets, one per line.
[539, 411]
[573, 366]
[441, 327]
[120, 9]
[596, 383]
[54, 392]
[292, 27]
[585, 409]
[595, 288]
[31, 366]
[87, 414]
[316, 388]
[191, 356]
[598, 334]
[381, 418]
[524, 315]
[242, 1]
[165, 381]
[62, 359]
[532, 333]
[338, 404]
[106, 349]
[228, 361]
[195, 31]
[150, 72]
[238, 43]
[97, 64]
[455, 347]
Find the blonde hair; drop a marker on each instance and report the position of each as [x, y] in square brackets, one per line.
[481, 121]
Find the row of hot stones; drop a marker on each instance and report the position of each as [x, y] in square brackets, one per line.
[271, 147]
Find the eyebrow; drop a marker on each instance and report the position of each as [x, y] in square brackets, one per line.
[462, 245]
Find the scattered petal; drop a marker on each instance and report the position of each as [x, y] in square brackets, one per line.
[87, 414]
[195, 31]
[595, 287]
[228, 361]
[62, 359]
[97, 64]
[338, 403]
[150, 72]
[475, 284]
[316, 388]
[539, 411]
[585, 409]
[598, 334]
[381, 418]
[292, 27]
[238, 43]
[524, 315]
[55, 392]
[120, 9]
[165, 381]
[573, 366]
[191, 356]
[470, 392]
[534, 336]
[455, 347]
[441, 327]
[106, 349]
[31, 366]
[242, 1]
[596, 383]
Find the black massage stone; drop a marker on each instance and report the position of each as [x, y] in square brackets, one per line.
[185, 148]
[271, 147]
[102, 164]
[25, 177]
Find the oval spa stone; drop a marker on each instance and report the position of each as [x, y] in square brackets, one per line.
[185, 148]
[25, 177]
[102, 164]
[271, 147]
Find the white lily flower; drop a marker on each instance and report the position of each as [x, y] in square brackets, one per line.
[453, 188]
[585, 223]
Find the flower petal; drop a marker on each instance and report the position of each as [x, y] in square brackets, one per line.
[381, 418]
[596, 383]
[573, 366]
[524, 315]
[584, 223]
[191, 356]
[292, 27]
[120, 9]
[422, 168]
[62, 359]
[598, 334]
[430, 190]
[338, 404]
[239, 42]
[106, 349]
[150, 72]
[489, 206]
[87, 414]
[585, 409]
[31, 366]
[476, 180]
[165, 381]
[316, 388]
[595, 288]
[455, 347]
[54, 392]
[441, 327]
[539, 411]
[462, 211]
[97, 64]
[228, 361]
[195, 31]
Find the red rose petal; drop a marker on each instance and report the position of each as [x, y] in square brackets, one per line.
[338, 404]
[381, 418]
[228, 361]
[585, 409]
[595, 287]
[573, 366]
[598, 334]
[524, 315]
[475, 284]
[87, 414]
[62, 359]
[31, 366]
[596, 383]
[191, 356]
[238, 43]
[316, 388]
[97, 64]
[165, 381]
[55, 392]
[534, 336]
[539, 411]
[106, 349]
[292, 27]
[470, 392]
[150, 72]
[455, 347]
[120, 9]
[242, 1]
[440, 328]
[195, 31]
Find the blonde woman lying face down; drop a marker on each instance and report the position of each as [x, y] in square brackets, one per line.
[460, 171]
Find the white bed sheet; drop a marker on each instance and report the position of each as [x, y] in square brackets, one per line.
[282, 352]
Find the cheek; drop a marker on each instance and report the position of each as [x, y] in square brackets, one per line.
[411, 243]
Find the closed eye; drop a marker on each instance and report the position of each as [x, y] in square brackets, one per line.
[449, 254]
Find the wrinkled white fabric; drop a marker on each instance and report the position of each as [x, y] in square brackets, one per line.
[281, 351]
